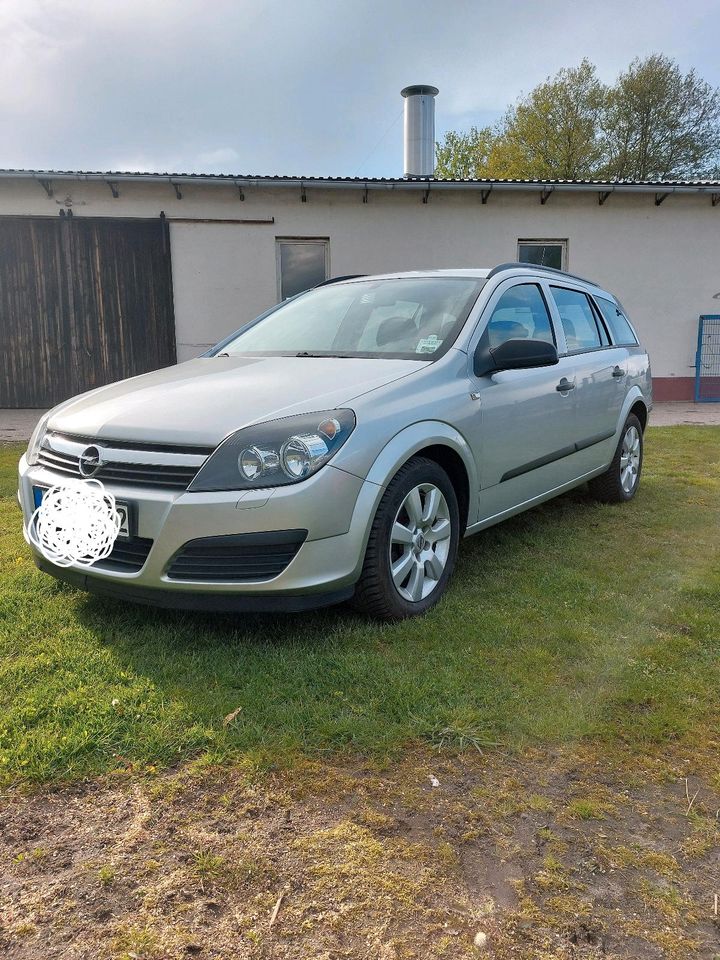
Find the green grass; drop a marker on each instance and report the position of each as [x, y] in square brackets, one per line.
[573, 620]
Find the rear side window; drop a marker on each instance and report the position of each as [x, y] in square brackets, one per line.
[520, 313]
[615, 319]
[582, 330]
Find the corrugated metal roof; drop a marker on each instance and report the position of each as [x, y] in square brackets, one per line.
[697, 185]
[134, 174]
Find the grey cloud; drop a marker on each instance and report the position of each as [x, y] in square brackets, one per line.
[307, 88]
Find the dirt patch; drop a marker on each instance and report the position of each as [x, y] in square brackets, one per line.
[571, 854]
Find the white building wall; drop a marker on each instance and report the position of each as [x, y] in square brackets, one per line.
[661, 261]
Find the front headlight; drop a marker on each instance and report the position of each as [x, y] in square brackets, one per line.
[275, 453]
[38, 435]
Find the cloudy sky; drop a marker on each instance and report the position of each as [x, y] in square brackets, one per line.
[296, 86]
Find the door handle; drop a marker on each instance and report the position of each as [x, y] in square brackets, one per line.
[618, 372]
[565, 386]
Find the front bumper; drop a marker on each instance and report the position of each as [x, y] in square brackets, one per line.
[334, 506]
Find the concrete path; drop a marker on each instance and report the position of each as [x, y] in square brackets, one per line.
[17, 425]
[679, 414]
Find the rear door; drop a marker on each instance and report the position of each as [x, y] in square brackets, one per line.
[525, 430]
[600, 370]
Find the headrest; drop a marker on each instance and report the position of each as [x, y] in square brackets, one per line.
[395, 328]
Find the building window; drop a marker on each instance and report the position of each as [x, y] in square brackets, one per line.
[543, 253]
[302, 263]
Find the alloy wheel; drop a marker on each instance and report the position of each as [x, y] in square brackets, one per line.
[420, 542]
[630, 459]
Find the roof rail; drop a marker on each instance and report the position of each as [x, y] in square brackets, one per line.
[537, 266]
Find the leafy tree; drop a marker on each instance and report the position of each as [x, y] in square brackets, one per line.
[660, 123]
[554, 131]
[465, 155]
[654, 123]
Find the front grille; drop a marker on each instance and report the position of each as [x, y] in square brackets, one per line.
[60, 454]
[236, 558]
[128, 556]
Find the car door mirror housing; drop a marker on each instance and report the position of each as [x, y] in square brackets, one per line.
[515, 354]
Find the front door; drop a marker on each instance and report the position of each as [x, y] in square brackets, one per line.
[526, 423]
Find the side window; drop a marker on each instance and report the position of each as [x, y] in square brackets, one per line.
[519, 313]
[582, 331]
[615, 319]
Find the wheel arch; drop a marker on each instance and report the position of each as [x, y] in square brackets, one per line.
[639, 408]
[635, 403]
[438, 442]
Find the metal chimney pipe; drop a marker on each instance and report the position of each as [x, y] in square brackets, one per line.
[419, 130]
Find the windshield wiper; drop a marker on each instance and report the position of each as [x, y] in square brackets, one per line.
[327, 356]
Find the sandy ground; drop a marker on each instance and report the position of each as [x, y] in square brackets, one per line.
[571, 854]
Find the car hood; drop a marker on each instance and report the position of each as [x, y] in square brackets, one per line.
[203, 400]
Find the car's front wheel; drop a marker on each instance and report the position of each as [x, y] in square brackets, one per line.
[413, 543]
[620, 481]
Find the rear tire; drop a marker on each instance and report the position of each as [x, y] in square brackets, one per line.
[413, 544]
[621, 480]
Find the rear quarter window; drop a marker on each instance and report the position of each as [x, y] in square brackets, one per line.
[617, 322]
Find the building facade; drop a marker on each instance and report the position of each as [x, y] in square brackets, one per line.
[108, 275]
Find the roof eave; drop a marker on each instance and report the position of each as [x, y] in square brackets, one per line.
[370, 183]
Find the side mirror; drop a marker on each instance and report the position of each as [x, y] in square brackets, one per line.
[514, 355]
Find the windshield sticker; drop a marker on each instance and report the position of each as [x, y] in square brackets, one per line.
[428, 344]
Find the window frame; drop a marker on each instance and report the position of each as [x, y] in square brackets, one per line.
[548, 242]
[594, 309]
[279, 241]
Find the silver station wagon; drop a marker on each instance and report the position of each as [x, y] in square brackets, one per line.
[339, 446]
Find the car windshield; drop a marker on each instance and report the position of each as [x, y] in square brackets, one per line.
[416, 319]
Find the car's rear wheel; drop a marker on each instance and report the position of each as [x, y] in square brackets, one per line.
[620, 481]
[413, 543]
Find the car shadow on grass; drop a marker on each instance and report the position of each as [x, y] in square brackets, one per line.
[208, 627]
[489, 664]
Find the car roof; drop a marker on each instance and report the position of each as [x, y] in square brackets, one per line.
[502, 270]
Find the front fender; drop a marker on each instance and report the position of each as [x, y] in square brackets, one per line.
[412, 440]
[397, 451]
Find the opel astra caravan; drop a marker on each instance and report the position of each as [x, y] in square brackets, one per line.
[341, 445]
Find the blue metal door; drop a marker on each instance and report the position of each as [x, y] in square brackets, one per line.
[707, 360]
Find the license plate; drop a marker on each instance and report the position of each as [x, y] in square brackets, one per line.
[123, 509]
[124, 513]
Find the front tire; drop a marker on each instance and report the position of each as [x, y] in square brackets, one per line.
[413, 544]
[621, 480]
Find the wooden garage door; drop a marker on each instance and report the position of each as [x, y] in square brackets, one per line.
[83, 302]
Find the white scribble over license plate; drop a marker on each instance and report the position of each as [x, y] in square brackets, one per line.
[123, 510]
